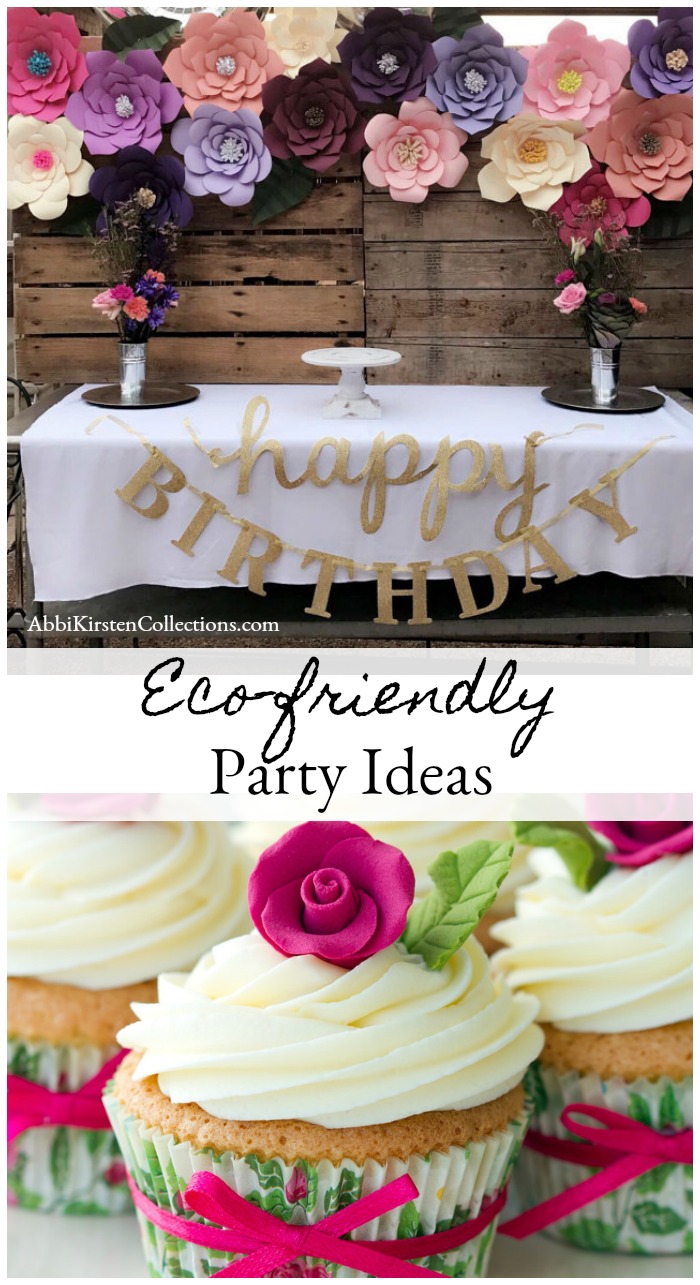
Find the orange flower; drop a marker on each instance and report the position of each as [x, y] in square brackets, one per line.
[647, 145]
[638, 306]
[136, 309]
[223, 61]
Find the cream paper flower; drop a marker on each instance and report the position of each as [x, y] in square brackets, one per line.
[533, 158]
[45, 165]
[301, 35]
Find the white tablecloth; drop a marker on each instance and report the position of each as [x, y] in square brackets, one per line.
[85, 541]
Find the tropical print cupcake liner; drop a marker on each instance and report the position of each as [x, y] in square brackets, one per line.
[453, 1187]
[64, 1169]
[650, 1215]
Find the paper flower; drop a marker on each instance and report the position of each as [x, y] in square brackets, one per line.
[412, 153]
[639, 842]
[224, 153]
[44, 165]
[663, 54]
[477, 80]
[123, 102]
[391, 57]
[44, 62]
[327, 888]
[299, 36]
[159, 181]
[315, 117]
[591, 203]
[223, 61]
[573, 76]
[571, 298]
[647, 145]
[533, 158]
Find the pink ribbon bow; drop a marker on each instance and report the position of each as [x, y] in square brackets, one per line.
[627, 1150]
[269, 1243]
[32, 1106]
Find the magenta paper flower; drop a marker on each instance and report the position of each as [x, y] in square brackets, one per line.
[414, 152]
[639, 842]
[590, 203]
[573, 76]
[123, 103]
[44, 62]
[223, 61]
[327, 888]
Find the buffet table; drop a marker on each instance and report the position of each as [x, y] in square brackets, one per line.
[250, 484]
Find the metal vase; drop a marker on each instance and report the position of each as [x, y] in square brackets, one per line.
[605, 375]
[132, 370]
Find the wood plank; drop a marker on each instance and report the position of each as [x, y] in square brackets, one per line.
[62, 310]
[447, 216]
[215, 258]
[211, 360]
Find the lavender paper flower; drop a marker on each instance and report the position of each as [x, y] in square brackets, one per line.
[160, 180]
[663, 53]
[123, 103]
[391, 57]
[477, 79]
[225, 154]
[315, 117]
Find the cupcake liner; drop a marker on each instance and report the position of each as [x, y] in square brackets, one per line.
[650, 1215]
[64, 1170]
[452, 1186]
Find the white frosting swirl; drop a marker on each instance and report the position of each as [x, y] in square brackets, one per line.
[253, 1035]
[108, 904]
[617, 958]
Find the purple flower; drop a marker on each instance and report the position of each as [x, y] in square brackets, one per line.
[224, 152]
[391, 57]
[123, 103]
[477, 80]
[160, 180]
[315, 117]
[663, 53]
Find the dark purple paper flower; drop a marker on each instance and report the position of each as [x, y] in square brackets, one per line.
[315, 117]
[159, 179]
[477, 79]
[225, 154]
[391, 57]
[123, 103]
[663, 54]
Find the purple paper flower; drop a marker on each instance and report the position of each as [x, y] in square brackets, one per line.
[315, 117]
[391, 57]
[477, 79]
[160, 181]
[225, 154]
[663, 53]
[123, 103]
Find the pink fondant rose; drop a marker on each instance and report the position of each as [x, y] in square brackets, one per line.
[639, 842]
[327, 888]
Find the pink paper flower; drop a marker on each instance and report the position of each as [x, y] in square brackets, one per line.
[590, 203]
[573, 76]
[639, 842]
[647, 145]
[223, 61]
[414, 152]
[571, 298]
[44, 62]
[327, 888]
[562, 278]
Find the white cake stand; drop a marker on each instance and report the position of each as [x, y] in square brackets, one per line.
[351, 399]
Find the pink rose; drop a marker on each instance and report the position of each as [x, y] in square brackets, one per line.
[107, 304]
[298, 1187]
[571, 297]
[115, 1175]
[639, 842]
[327, 888]
[412, 153]
[562, 278]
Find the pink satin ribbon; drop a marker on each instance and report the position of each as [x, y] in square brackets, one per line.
[622, 1150]
[32, 1106]
[269, 1243]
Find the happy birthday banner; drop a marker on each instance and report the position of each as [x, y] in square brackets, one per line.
[256, 548]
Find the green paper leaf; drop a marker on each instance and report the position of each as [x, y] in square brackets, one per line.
[638, 1109]
[654, 1181]
[591, 1233]
[657, 1220]
[669, 219]
[465, 885]
[454, 22]
[580, 850]
[670, 1114]
[288, 184]
[140, 31]
[79, 218]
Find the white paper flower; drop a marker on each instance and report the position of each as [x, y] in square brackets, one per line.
[533, 158]
[45, 165]
[301, 35]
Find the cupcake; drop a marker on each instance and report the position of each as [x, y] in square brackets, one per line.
[610, 964]
[95, 912]
[350, 1040]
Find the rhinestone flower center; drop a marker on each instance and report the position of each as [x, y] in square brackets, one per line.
[677, 59]
[42, 160]
[145, 198]
[569, 81]
[532, 151]
[123, 106]
[650, 144]
[39, 63]
[226, 65]
[232, 149]
[410, 151]
[388, 64]
[474, 82]
[314, 117]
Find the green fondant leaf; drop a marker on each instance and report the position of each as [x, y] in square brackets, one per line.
[582, 853]
[465, 885]
[656, 1219]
